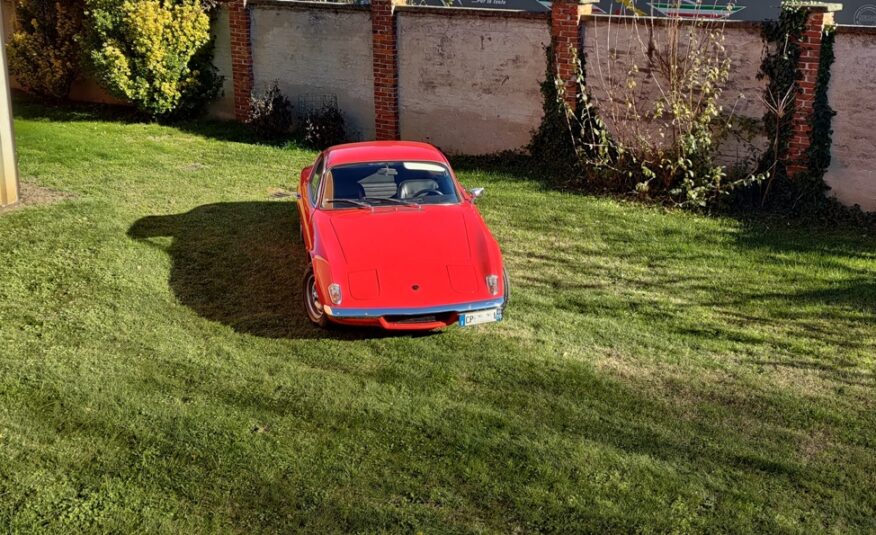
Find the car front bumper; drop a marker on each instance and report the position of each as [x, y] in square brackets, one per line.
[379, 312]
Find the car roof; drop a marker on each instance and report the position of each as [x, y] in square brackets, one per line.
[382, 151]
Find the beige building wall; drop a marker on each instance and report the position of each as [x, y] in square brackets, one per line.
[469, 83]
[852, 173]
[316, 53]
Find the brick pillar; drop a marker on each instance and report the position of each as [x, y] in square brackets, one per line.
[819, 16]
[241, 57]
[385, 53]
[566, 41]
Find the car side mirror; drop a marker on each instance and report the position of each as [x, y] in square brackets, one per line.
[305, 173]
[476, 193]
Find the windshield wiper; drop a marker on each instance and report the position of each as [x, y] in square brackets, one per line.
[350, 201]
[387, 199]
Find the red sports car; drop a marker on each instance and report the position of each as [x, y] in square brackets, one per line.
[394, 241]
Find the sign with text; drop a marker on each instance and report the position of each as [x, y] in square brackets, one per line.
[854, 12]
[753, 10]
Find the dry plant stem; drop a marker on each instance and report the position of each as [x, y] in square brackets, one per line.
[658, 83]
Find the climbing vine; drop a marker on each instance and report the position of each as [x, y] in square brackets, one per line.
[552, 144]
[819, 149]
[660, 114]
[779, 68]
[620, 147]
[805, 193]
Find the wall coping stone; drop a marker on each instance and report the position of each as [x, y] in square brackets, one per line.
[663, 21]
[855, 30]
[471, 12]
[305, 5]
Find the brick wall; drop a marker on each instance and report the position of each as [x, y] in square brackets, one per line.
[241, 56]
[317, 56]
[810, 56]
[566, 44]
[223, 106]
[468, 80]
[385, 53]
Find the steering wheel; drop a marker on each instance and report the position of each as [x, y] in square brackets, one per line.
[426, 193]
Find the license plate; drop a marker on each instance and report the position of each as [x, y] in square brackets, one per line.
[479, 317]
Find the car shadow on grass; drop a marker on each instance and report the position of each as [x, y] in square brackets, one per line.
[240, 264]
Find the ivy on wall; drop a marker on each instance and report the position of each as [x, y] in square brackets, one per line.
[822, 132]
[779, 68]
[804, 194]
[556, 146]
[552, 145]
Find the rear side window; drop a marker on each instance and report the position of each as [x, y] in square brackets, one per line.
[315, 180]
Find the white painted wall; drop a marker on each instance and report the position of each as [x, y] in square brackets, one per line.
[316, 52]
[470, 84]
[852, 173]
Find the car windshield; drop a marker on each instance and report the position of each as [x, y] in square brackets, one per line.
[388, 184]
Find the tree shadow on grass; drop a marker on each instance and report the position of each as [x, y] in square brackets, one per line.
[240, 264]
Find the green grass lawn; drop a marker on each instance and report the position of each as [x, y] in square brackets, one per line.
[658, 371]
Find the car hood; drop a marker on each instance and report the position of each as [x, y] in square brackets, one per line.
[373, 239]
[411, 256]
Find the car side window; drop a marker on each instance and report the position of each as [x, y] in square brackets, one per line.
[315, 180]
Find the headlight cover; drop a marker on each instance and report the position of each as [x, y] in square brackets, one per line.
[493, 284]
[334, 291]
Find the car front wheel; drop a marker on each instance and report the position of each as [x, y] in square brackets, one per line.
[313, 307]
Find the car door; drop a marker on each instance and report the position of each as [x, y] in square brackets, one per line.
[307, 203]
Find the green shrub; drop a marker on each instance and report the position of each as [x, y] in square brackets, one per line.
[324, 127]
[207, 86]
[270, 115]
[552, 144]
[44, 54]
[142, 50]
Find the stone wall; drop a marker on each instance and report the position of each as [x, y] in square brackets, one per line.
[223, 107]
[314, 54]
[852, 173]
[620, 50]
[468, 82]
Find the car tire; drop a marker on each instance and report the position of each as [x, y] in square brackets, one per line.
[310, 297]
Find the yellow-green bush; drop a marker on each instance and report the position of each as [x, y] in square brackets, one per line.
[43, 52]
[141, 50]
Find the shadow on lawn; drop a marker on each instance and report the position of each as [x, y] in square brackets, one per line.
[27, 107]
[240, 264]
